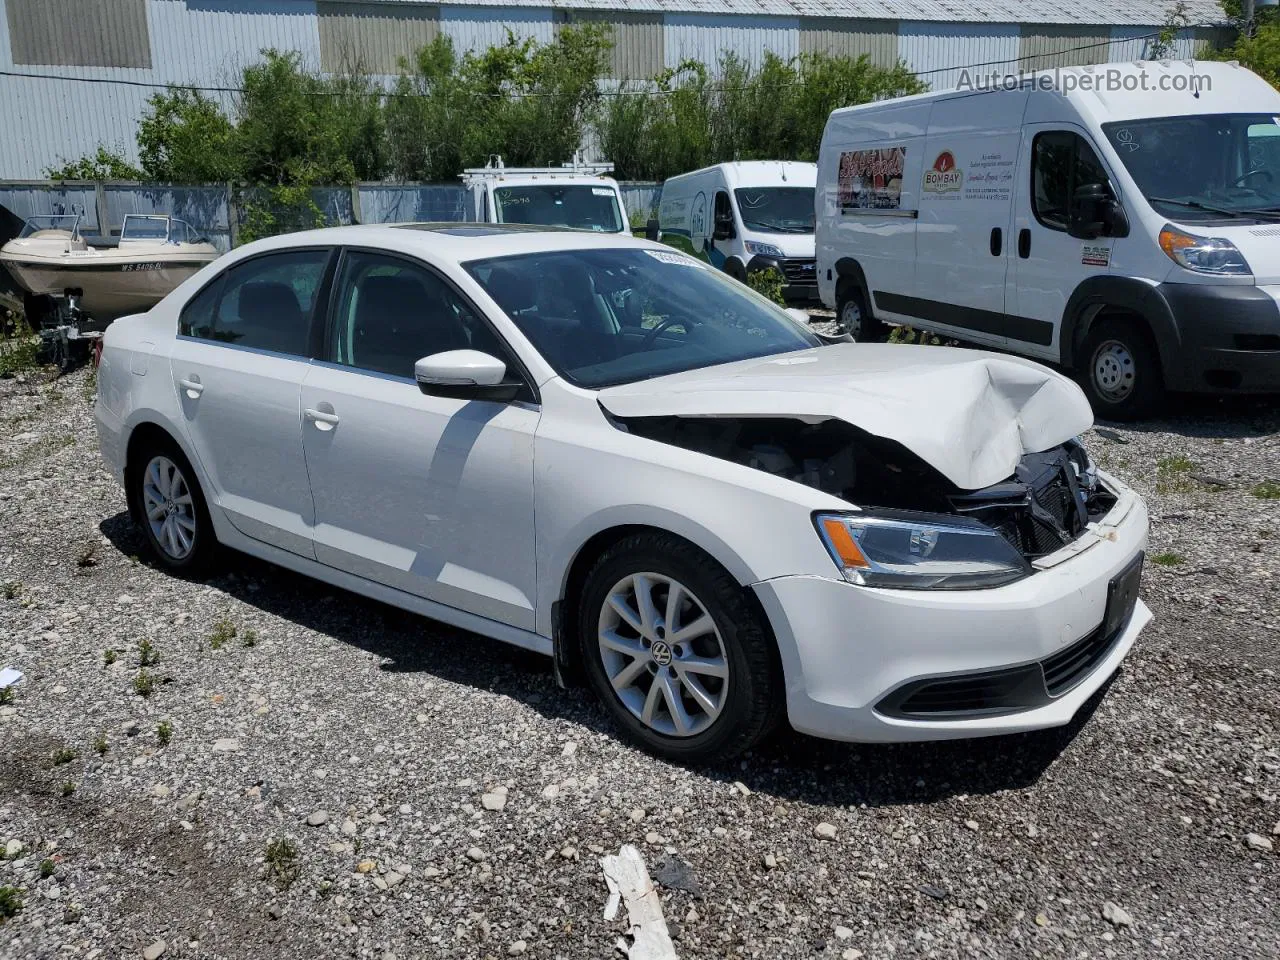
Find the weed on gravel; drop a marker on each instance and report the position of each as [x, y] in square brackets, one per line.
[224, 631]
[164, 732]
[1167, 558]
[100, 745]
[63, 755]
[144, 684]
[11, 590]
[1267, 490]
[147, 655]
[10, 902]
[281, 861]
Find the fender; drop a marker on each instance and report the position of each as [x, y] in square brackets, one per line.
[849, 270]
[1139, 297]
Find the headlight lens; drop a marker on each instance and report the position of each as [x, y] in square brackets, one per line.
[763, 249]
[918, 551]
[1203, 254]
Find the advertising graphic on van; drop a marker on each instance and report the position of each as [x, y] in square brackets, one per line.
[1095, 256]
[944, 177]
[872, 179]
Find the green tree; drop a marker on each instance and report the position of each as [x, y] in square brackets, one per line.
[103, 164]
[186, 138]
[426, 115]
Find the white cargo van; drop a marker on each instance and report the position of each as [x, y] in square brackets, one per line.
[577, 194]
[1121, 220]
[746, 216]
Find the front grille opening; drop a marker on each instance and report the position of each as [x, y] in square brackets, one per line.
[995, 693]
[1223, 379]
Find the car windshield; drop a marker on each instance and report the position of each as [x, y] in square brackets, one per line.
[605, 317]
[1204, 167]
[776, 209]
[580, 205]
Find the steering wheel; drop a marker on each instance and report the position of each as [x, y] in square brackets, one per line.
[1239, 181]
[661, 325]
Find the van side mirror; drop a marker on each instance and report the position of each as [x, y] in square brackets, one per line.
[465, 375]
[651, 229]
[1094, 213]
[723, 229]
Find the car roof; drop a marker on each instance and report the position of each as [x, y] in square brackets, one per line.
[457, 242]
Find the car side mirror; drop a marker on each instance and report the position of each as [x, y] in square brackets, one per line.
[465, 375]
[798, 315]
[723, 230]
[1094, 213]
[651, 231]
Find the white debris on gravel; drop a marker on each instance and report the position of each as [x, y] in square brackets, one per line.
[1142, 802]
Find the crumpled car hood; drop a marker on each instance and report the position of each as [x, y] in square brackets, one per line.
[970, 415]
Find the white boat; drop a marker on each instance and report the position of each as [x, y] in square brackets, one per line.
[108, 278]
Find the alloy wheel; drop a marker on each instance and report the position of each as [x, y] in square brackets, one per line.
[1114, 371]
[663, 654]
[166, 500]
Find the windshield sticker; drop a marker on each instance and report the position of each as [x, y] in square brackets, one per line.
[601, 192]
[679, 259]
[871, 179]
[1095, 256]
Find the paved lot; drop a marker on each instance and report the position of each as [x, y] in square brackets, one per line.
[290, 704]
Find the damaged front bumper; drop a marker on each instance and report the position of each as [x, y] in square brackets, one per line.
[854, 655]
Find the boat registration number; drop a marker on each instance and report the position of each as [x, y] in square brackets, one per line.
[134, 267]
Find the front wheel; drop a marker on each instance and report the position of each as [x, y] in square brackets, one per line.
[1121, 374]
[674, 650]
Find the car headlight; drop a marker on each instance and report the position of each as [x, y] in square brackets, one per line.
[763, 249]
[1203, 254]
[919, 551]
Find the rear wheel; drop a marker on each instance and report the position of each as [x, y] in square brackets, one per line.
[674, 650]
[170, 507]
[1121, 370]
[854, 318]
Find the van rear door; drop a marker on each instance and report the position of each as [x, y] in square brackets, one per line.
[966, 212]
[1057, 159]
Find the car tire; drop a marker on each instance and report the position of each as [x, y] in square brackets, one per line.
[854, 318]
[1120, 370]
[166, 501]
[726, 680]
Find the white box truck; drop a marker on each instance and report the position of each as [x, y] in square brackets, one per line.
[1121, 220]
[577, 194]
[746, 216]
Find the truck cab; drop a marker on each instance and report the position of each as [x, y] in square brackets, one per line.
[578, 195]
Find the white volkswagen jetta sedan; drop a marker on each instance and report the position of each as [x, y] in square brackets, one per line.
[605, 451]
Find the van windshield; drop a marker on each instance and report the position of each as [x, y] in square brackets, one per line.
[579, 205]
[1212, 167]
[776, 209]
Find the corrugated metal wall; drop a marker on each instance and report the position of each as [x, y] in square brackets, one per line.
[706, 36]
[936, 51]
[107, 33]
[637, 41]
[209, 42]
[1046, 46]
[878, 39]
[373, 37]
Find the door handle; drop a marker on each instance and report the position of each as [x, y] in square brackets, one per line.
[997, 241]
[192, 386]
[322, 420]
[1024, 243]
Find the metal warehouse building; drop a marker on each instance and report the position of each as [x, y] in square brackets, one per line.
[44, 118]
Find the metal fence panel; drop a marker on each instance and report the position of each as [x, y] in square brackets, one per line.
[43, 199]
[205, 208]
[641, 199]
[391, 203]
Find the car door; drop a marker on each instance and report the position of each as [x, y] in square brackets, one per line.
[238, 363]
[1056, 160]
[426, 494]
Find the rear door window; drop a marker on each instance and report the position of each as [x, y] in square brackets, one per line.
[265, 303]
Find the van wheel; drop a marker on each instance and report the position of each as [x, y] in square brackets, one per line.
[676, 652]
[170, 507]
[854, 318]
[1121, 373]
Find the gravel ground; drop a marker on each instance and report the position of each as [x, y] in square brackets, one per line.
[314, 774]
